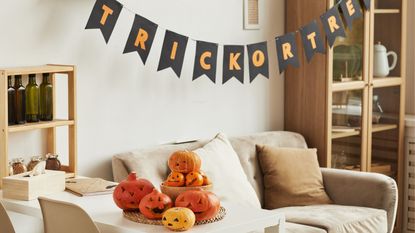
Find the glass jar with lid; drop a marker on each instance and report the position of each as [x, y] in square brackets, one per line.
[52, 162]
[18, 166]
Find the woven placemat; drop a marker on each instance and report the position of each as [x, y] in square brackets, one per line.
[136, 216]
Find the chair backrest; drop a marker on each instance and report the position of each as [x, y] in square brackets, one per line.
[64, 217]
[5, 222]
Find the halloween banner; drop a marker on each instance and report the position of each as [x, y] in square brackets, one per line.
[287, 51]
[141, 37]
[233, 62]
[312, 40]
[366, 3]
[205, 60]
[172, 53]
[351, 10]
[333, 25]
[104, 16]
[258, 60]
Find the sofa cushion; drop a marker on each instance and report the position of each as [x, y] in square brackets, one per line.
[338, 218]
[300, 228]
[221, 164]
[245, 148]
[292, 177]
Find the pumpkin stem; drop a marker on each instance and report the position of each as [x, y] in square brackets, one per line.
[132, 176]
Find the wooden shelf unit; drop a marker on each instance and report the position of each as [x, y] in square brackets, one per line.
[310, 90]
[50, 126]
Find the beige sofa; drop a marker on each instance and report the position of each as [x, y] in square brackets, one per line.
[363, 202]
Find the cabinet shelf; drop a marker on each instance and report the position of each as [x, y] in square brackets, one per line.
[387, 11]
[387, 82]
[375, 128]
[337, 135]
[347, 86]
[383, 127]
[40, 125]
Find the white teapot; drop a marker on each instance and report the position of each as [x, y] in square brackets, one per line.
[381, 66]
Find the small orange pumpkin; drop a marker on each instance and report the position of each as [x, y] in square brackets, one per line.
[175, 179]
[184, 161]
[206, 180]
[194, 179]
[154, 204]
[178, 219]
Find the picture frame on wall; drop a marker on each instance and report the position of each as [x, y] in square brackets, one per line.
[251, 14]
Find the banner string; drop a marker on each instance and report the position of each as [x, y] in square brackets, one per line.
[219, 44]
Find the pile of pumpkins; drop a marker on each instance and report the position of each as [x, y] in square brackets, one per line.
[193, 205]
[185, 170]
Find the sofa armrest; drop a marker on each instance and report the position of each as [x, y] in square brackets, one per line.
[362, 189]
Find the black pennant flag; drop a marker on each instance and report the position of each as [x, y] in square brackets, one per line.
[104, 16]
[258, 60]
[312, 40]
[141, 37]
[205, 60]
[287, 51]
[366, 3]
[333, 25]
[351, 11]
[172, 52]
[233, 62]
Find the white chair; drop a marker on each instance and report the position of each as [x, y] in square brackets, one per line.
[64, 217]
[5, 222]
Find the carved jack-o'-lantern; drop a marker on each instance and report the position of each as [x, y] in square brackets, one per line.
[128, 194]
[206, 180]
[194, 179]
[184, 161]
[154, 204]
[178, 219]
[175, 179]
[204, 204]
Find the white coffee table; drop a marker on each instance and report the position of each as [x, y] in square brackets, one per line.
[110, 219]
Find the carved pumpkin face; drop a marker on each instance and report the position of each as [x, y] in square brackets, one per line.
[204, 204]
[175, 179]
[153, 205]
[184, 162]
[128, 194]
[194, 179]
[178, 219]
[206, 180]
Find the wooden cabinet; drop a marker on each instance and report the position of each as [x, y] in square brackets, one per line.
[50, 126]
[353, 118]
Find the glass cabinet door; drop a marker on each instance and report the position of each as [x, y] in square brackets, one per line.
[384, 131]
[348, 54]
[347, 124]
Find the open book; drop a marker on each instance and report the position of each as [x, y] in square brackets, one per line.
[90, 186]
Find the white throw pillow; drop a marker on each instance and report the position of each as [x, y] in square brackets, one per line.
[221, 164]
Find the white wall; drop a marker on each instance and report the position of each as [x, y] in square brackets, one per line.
[123, 105]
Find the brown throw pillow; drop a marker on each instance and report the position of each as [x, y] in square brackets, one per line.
[292, 177]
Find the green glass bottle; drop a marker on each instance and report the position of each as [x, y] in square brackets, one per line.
[11, 95]
[46, 99]
[20, 100]
[32, 100]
